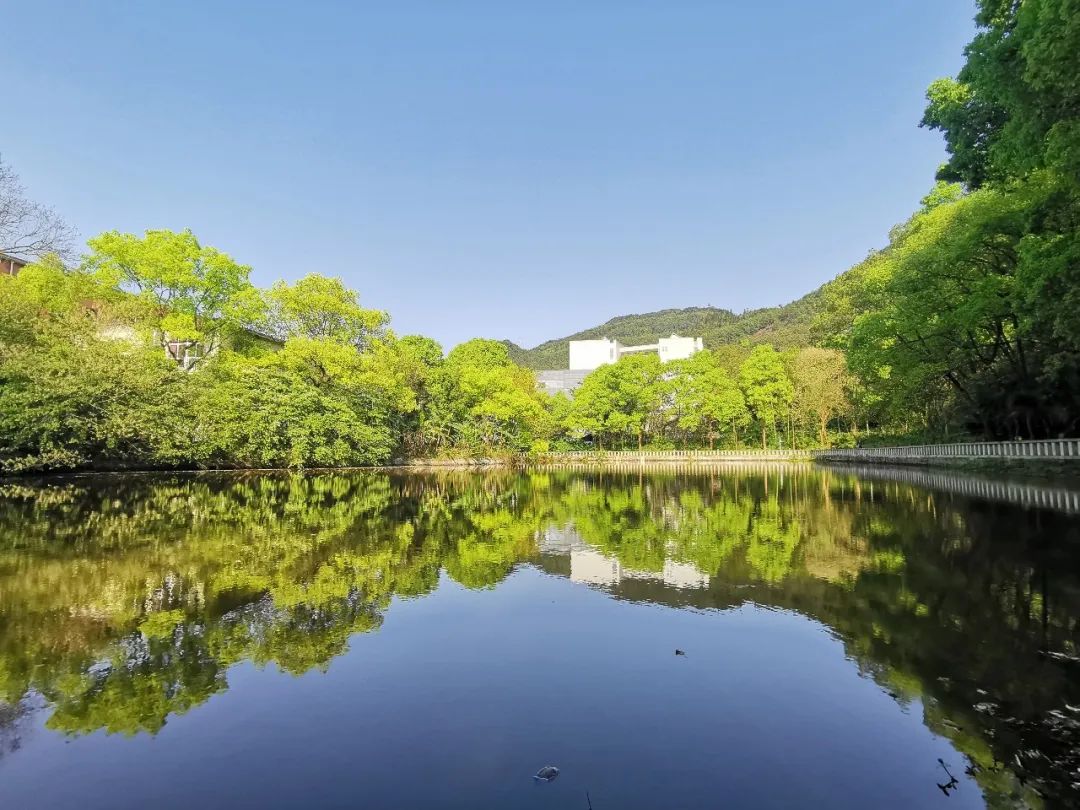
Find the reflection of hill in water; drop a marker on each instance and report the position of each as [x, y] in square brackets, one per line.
[126, 600]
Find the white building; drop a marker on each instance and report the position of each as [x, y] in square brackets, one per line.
[586, 355]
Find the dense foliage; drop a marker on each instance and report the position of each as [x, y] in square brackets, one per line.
[157, 351]
[778, 399]
[969, 317]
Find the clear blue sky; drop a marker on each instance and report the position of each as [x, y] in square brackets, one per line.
[515, 170]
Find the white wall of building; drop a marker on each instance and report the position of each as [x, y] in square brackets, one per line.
[590, 354]
[585, 355]
[679, 348]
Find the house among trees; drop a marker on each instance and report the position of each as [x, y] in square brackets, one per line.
[10, 265]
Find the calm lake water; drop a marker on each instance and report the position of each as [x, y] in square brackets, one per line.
[373, 640]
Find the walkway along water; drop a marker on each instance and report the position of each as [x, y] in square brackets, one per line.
[1048, 449]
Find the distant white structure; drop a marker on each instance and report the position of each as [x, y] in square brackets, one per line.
[586, 355]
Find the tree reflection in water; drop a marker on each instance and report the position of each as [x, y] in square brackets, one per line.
[126, 599]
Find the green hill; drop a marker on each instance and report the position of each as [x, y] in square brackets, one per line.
[785, 327]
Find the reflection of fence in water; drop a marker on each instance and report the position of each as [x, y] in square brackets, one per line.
[1020, 493]
[673, 456]
[636, 465]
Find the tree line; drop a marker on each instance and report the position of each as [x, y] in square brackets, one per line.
[968, 319]
[735, 397]
[158, 351]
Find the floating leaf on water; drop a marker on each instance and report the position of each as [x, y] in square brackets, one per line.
[546, 774]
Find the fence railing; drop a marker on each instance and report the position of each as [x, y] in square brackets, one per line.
[1042, 448]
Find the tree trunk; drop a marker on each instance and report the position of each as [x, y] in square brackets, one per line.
[763, 444]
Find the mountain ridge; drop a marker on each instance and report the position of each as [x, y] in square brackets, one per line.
[786, 327]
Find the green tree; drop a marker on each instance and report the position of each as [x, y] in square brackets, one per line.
[487, 401]
[767, 387]
[321, 308]
[1015, 105]
[620, 399]
[71, 396]
[190, 293]
[821, 383]
[708, 397]
[265, 414]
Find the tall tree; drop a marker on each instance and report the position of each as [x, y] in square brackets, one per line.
[486, 400]
[708, 397]
[821, 384]
[621, 399]
[1015, 105]
[767, 388]
[191, 293]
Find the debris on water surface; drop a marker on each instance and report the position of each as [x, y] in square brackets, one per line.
[679, 652]
[985, 708]
[546, 774]
[952, 784]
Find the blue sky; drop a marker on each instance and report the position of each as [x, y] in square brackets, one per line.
[515, 170]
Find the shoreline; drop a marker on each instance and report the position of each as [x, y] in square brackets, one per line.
[1031, 468]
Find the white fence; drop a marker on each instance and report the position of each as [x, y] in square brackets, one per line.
[1045, 448]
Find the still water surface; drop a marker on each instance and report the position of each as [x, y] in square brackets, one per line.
[374, 640]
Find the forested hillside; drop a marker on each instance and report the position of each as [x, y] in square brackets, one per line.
[786, 327]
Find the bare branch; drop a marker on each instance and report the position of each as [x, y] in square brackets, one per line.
[29, 230]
